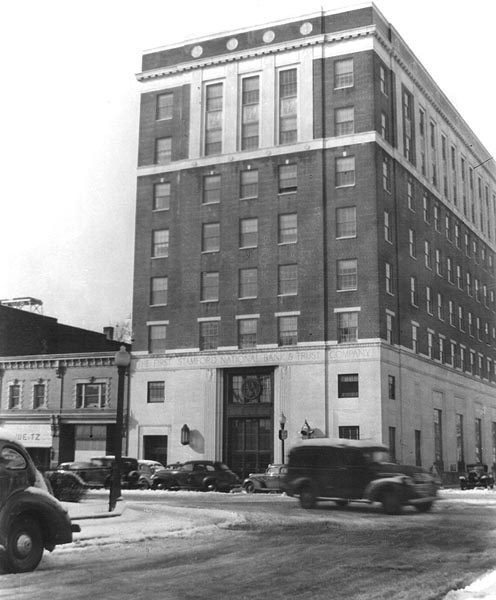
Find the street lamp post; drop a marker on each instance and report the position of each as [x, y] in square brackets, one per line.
[283, 434]
[122, 361]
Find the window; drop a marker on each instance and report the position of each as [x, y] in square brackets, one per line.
[427, 209]
[348, 386]
[382, 80]
[156, 338]
[387, 226]
[478, 440]
[389, 278]
[428, 299]
[91, 395]
[288, 330]
[343, 73]
[347, 327]
[14, 395]
[211, 189]
[430, 344]
[163, 151]
[415, 338]
[440, 307]
[344, 120]
[288, 178]
[439, 263]
[39, 395]
[408, 125]
[248, 187]
[247, 333]
[209, 335]
[209, 286]
[391, 387]
[345, 171]
[165, 104]
[410, 192]
[389, 328]
[413, 291]
[288, 280]
[384, 126]
[159, 290]
[437, 211]
[248, 283]
[412, 243]
[346, 222]
[386, 173]
[449, 269]
[161, 196]
[288, 89]
[347, 274]
[288, 229]
[451, 310]
[459, 278]
[160, 243]
[213, 119]
[461, 319]
[427, 254]
[392, 443]
[210, 237]
[469, 283]
[418, 448]
[250, 104]
[349, 432]
[155, 392]
[248, 233]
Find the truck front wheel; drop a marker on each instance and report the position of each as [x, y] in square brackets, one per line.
[391, 502]
[24, 546]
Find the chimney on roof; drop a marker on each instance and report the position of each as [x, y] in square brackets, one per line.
[109, 332]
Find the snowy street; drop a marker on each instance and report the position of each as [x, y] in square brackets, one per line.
[181, 545]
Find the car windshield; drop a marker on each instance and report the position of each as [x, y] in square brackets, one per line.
[376, 456]
[223, 467]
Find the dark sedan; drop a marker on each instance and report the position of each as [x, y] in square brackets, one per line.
[203, 475]
[269, 481]
[477, 476]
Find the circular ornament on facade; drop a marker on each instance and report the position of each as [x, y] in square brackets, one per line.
[197, 51]
[232, 44]
[306, 28]
[251, 390]
[269, 36]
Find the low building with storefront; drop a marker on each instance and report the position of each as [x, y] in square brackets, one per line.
[58, 387]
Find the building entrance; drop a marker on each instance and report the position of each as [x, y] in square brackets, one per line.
[248, 410]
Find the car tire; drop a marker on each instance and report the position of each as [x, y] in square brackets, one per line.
[24, 548]
[342, 503]
[143, 484]
[249, 487]
[307, 496]
[424, 507]
[391, 502]
[210, 486]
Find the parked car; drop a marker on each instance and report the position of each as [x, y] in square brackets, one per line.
[355, 470]
[269, 481]
[204, 475]
[31, 518]
[97, 472]
[67, 486]
[477, 476]
[146, 470]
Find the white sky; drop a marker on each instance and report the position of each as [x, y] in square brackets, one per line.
[69, 124]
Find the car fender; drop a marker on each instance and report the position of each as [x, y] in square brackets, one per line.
[375, 488]
[255, 482]
[52, 515]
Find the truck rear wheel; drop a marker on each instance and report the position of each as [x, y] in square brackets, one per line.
[391, 502]
[307, 497]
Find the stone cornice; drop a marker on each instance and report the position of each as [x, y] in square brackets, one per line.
[56, 361]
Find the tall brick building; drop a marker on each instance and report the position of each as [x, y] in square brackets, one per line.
[315, 238]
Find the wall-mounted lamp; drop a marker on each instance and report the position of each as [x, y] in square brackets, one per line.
[185, 433]
[306, 431]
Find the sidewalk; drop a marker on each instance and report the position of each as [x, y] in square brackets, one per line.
[93, 507]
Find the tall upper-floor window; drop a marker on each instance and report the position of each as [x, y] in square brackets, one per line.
[213, 118]
[248, 185]
[211, 189]
[347, 327]
[345, 171]
[288, 106]
[343, 73]
[248, 233]
[209, 335]
[165, 105]
[160, 243]
[14, 395]
[91, 395]
[39, 395]
[288, 229]
[163, 151]
[210, 237]
[287, 330]
[250, 117]
[288, 178]
[209, 286]
[248, 283]
[346, 222]
[347, 274]
[408, 146]
[161, 196]
[157, 335]
[344, 120]
[247, 333]
[288, 280]
[159, 290]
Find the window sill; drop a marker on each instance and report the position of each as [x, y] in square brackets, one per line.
[347, 237]
[157, 305]
[346, 185]
[287, 192]
[156, 210]
[156, 257]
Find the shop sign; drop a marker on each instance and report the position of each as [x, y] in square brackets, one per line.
[31, 435]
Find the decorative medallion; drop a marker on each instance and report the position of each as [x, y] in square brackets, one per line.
[197, 51]
[269, 36]
[251, 390]
[232, 44]
[306, 28]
